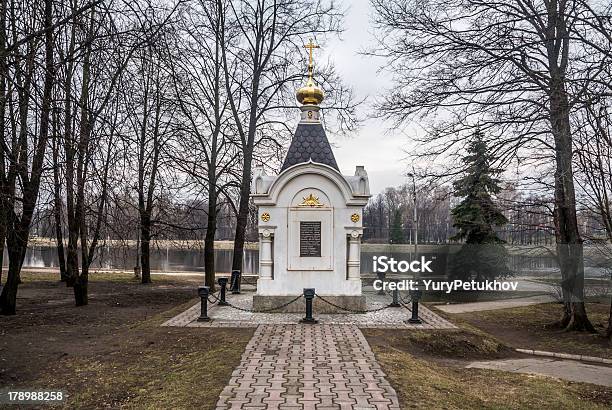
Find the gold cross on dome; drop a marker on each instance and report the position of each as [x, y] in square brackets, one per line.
[310, 46]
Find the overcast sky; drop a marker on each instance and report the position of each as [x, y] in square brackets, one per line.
[381, 152]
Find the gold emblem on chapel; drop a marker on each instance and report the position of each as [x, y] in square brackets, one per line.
[355, 217]
[311, 201]
[265, 217]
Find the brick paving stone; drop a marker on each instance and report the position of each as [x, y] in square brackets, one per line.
[293, 366]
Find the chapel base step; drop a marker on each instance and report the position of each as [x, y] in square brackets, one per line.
[354, 303]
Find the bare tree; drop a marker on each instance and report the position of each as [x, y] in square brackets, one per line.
[207, 151]
[594, 165]
[107, 40]
[259, 60]
[148, 105]
[58, 207]
[516, 69]
[594, 161]
[22, 154]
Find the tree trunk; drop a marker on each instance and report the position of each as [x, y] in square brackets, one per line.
[16, 249]
[72, 258]
[3, 98]
[76, 209]
[61, 256]
[569, 243]
[245, 187]
[243, 213]
[145, 245]
[2, 240]
[609, 330]
[57, 204]
[209, 239]
[8, 298]
[80, 289]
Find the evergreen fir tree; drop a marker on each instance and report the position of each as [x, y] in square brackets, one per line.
[483, 255]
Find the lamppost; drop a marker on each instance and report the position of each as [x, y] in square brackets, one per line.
[414, 215]
[416, 294]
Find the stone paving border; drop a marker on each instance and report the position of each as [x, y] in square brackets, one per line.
[391, 318]
[579, 357]
[495, 304]
[307, 367]
[551, 367]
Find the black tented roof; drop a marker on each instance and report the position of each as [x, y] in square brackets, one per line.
[310, 143]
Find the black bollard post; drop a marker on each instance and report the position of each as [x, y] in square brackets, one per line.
[395, 302]
[235, 283]
[223, 284]
[414, 319]
[203, 292]
[309, 294]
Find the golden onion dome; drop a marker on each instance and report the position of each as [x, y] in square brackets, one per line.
[310, 94]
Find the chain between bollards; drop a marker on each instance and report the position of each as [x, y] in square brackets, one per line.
[309, 295]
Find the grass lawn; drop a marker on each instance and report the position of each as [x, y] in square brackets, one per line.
[426, 368]
[526, 327]
[113, 353]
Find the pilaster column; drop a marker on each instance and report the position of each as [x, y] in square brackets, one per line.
[354, 265]
[265, 255]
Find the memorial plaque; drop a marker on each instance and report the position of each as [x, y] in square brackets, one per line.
[310, 238]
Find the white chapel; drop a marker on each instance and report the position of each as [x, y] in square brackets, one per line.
[310, 218]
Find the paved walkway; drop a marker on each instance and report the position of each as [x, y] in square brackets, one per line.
[562, 369]
[308, 367]
[495, 304]
[287, 365]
